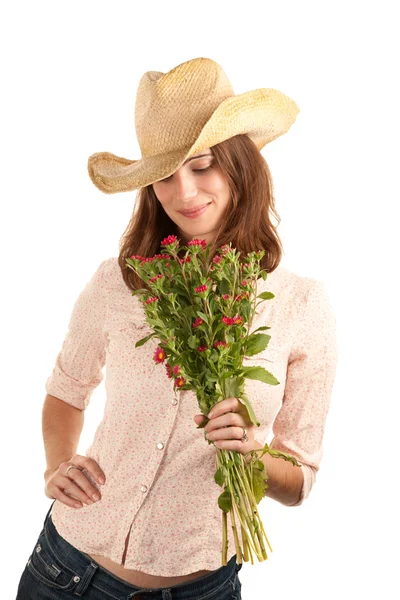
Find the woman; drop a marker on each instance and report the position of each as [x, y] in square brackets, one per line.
[154, 530]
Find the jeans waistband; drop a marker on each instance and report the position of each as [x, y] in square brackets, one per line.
[91, 573]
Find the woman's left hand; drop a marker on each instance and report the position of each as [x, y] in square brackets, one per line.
[225, 426]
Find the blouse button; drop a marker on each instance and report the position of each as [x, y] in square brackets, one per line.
[160, 445]
[143, 488]
[174, 401]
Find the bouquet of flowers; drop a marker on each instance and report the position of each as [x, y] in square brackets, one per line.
[202, 311]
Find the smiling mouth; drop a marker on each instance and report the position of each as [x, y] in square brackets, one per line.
[194, 210]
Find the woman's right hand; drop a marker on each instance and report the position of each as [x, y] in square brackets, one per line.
[78, 487]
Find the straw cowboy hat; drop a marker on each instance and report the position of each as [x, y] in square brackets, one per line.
[188, 109]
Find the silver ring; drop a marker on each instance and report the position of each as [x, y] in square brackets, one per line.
[244, 438]
[71, 467]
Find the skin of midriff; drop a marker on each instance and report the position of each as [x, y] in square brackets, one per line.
[144, 580]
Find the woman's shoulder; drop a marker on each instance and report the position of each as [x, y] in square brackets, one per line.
[112, 277]
[285, 280]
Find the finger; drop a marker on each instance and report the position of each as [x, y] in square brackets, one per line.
[200, 421]
[86, 491]
[223, 406]
[90, 465]
[66, 491]
[199, 418]
[226, 433]
[233, 445]
[62, 497]
[226, 420]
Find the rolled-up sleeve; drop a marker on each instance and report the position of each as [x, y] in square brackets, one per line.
[299, 426]
[78, 366]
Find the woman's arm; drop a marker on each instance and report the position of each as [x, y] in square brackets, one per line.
[61, 427]
[285, 480]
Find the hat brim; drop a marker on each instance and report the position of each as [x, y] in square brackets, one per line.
[263, 114]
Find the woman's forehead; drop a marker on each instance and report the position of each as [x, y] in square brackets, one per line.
[205, 152]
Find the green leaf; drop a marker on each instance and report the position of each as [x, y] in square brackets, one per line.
[258, 464]
[232, 387]
[279, 454]
[203, 316]
[193, 342]
[220, 476]
[256, 343]
[214, 356]
[259, 485]
[244, 400]
[261, 329]
[144, 340]
[224, 287]
[260, 374]
[225, 501]
[266, 295]
[179, 289]
[189, 311]
[211, 377]
[141, 291]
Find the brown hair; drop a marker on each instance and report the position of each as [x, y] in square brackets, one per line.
[246, 221]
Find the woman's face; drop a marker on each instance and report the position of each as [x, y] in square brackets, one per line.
[197, 183]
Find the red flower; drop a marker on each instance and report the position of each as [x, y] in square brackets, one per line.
[153, 279]
[184, 260]
[168, 369]
[244, 283]
[202, 348]
[237, 320]
[151, 299]
[217, 259]
[218, 344]
[137, 257]
[197, 242]
[227, 320]
[176, 370]
[199, 321]
[179, 382]
[201, 288]
[159, 355]
[146, 260]
[226, 297]
[169, 240]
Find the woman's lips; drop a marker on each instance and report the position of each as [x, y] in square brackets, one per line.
[196, 213]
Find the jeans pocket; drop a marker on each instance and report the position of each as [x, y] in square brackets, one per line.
[237, 587]
[45, 566]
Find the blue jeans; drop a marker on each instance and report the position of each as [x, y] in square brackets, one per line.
[57, 570]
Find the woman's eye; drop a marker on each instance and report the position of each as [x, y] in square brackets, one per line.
[194, 170]
[202, 170]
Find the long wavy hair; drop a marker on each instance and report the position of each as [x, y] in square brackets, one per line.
[246, 221]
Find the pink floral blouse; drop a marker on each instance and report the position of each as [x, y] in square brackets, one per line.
[159, 469]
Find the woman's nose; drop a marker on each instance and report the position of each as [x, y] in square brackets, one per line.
[185, 187]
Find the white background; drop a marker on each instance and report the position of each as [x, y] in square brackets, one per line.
[70, 71]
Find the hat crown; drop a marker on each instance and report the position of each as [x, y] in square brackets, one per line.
[172, 108]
